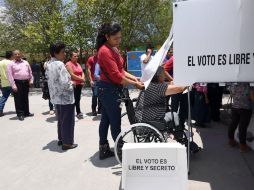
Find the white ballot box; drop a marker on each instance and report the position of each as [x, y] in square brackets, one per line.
[153, 166]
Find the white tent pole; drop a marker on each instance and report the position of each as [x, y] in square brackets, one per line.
[189, 114]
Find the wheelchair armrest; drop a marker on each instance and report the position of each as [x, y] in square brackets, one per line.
[159, 124]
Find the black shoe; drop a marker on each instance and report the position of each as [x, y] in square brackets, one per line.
[99, 112]
[1, 114]
[29, 115]
[94, 113]
[105, 152]
[21, 118]
[60, 143]
[67, 147]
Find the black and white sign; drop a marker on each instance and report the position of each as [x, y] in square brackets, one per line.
[213, 41]
[152, 166]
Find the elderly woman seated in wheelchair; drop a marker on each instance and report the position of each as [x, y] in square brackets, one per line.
[149, 121]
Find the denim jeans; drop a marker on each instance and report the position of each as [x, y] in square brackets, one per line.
[95, 99]
[111, 111]
[6, 91]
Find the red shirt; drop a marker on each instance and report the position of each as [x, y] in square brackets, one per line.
[77, 70]
[169, 66]
[90, 64]
[112, 63]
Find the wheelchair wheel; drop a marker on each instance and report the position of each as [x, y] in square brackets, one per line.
[137, 133]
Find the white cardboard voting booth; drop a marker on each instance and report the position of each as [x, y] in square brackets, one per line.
[152, 166]
[213, 41]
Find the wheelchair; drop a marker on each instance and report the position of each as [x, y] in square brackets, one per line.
[160, 131]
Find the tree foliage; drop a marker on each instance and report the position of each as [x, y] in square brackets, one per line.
[32, 25]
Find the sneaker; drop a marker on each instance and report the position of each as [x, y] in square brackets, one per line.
[76, 119]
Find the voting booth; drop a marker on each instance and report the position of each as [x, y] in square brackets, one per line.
[213, 41]
[152, 166]
[214, 46]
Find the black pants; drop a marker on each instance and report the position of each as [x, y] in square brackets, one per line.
[36, 76]
[77, 96]
[242, 118]
[215, 93]
[21, 97]
[180, 101]
[66, 123]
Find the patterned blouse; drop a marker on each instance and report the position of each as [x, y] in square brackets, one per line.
[59, 83]
[151, 105]
[241, 95]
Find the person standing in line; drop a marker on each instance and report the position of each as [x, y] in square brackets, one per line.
[200, 108]
[91, 63]
[78, 79]
[145, 59]
[243, 97]
[112, 79]
[62, 95]
[215, 94]
[21, 78]
[36, 69]
[45, 89]
[5, 85]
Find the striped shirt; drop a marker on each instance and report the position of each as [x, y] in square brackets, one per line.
[151, 105]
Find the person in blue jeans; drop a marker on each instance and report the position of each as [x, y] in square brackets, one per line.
[5, 85]
[95, 99]
[112, 79]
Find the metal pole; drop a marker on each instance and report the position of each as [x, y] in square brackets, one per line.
[189, 116]
[189, 129]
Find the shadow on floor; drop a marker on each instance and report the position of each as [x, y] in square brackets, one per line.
[89, 114]
[97, 118]
[51, 119]
[53, 147]
[9, 113]
[14, 118]
[219, 165]
[45, 113]
[107, 163]
[120, 185]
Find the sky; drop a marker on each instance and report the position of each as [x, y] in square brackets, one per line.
[1, 2]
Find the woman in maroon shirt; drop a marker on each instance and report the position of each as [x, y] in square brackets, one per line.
[112, 79]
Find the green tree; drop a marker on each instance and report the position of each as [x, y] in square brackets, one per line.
[33, 25]
[36, 24]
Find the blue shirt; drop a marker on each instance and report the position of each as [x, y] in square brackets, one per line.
[97, 72]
